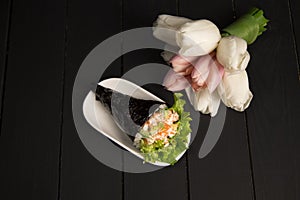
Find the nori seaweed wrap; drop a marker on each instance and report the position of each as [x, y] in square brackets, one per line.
[128, 112]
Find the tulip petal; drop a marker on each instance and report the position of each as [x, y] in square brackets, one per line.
[234, 90]
[170, 78]
[203, 101]
[196, 49]
[215, 103]
[166, 35]
[201, 71]
[179, 64]
[245, 60]
[189, 70]
[232, 53]
[171, 21]
[215, 75]
[182, 65]
[175, 82]
[167, 55]
[197, 38]
[165, 28]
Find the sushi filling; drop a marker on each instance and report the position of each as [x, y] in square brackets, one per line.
[157, 131]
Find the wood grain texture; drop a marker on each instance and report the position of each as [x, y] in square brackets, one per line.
[273, 117]
[225, 173]
[29, 145]
[5, 16]
[82, 176]
[170, 182]
[294, 8]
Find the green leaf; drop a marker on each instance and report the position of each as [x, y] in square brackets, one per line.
[248, 26]
[177, 144]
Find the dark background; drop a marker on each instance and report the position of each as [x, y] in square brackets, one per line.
[42, 45]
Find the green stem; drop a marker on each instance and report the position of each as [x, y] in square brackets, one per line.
[248, 26]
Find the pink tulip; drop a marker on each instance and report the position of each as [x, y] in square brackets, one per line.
[208, 72]
[182, 65]
[201, 70]
[215, 75]
[175, 82]
[197, 72]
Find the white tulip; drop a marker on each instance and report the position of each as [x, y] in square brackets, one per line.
[204, 101]
[197, 38]
[232, 53]
[234, 90]
[167, 55]
[165, 28]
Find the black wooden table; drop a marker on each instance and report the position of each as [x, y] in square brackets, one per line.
[42, 45]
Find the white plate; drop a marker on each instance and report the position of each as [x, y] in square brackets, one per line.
[101, 119]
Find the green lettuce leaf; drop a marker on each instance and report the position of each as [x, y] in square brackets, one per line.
[177, 144]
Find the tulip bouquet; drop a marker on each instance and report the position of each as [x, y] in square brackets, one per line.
[210, 65]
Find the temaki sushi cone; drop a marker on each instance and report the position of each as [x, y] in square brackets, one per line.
[161, 132]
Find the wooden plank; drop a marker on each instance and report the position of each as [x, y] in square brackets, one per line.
[5, 9]
[225, 173]
[170, 182]
[82, 176]
[294, 7]
[29, 145]
[273, 118]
